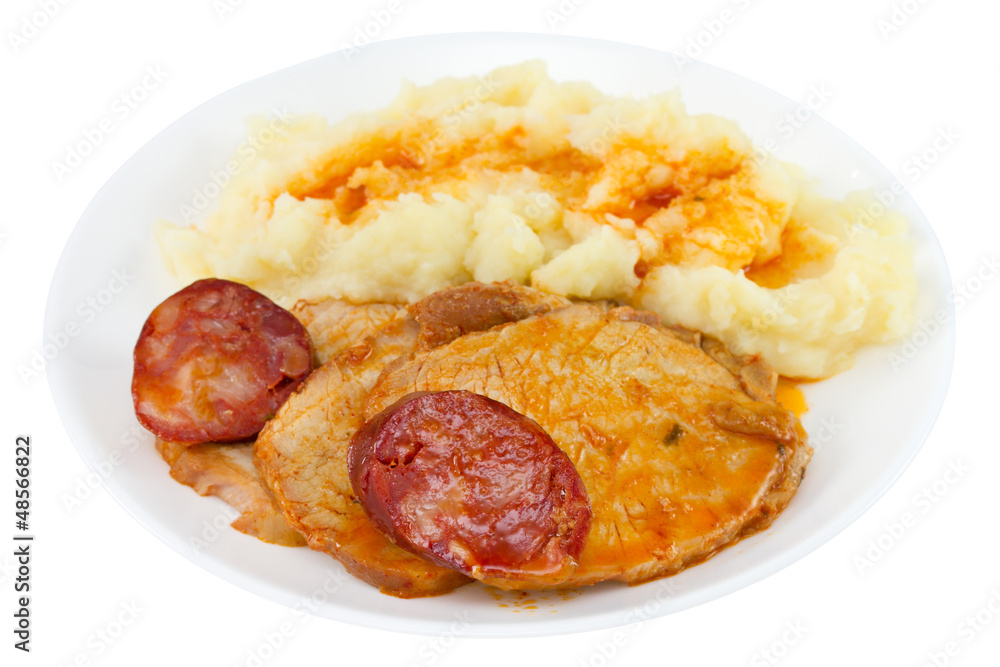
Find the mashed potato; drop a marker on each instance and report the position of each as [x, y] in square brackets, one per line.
[513, 176]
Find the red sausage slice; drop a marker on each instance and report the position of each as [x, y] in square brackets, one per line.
[215, 361]
[474, 485]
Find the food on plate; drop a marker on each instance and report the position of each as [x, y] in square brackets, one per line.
[546, 323]
[677, 442]
[513, 176]
[469, 483]
[214, 361]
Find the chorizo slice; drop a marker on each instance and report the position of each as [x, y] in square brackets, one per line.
[471, 484]
[215, 361]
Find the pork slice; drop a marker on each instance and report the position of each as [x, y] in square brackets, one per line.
[679, 460]
[227, 471]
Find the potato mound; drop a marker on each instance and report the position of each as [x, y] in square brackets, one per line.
[513, 176]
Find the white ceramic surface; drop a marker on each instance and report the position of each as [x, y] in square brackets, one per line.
[867, 423]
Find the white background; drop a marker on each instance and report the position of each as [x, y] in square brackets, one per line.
[895, 88]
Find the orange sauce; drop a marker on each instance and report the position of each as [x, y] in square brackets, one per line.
[790, 397]
[532, 601]
[641, 209]
[800, 251]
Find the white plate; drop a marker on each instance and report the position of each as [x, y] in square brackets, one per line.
[866, 424]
